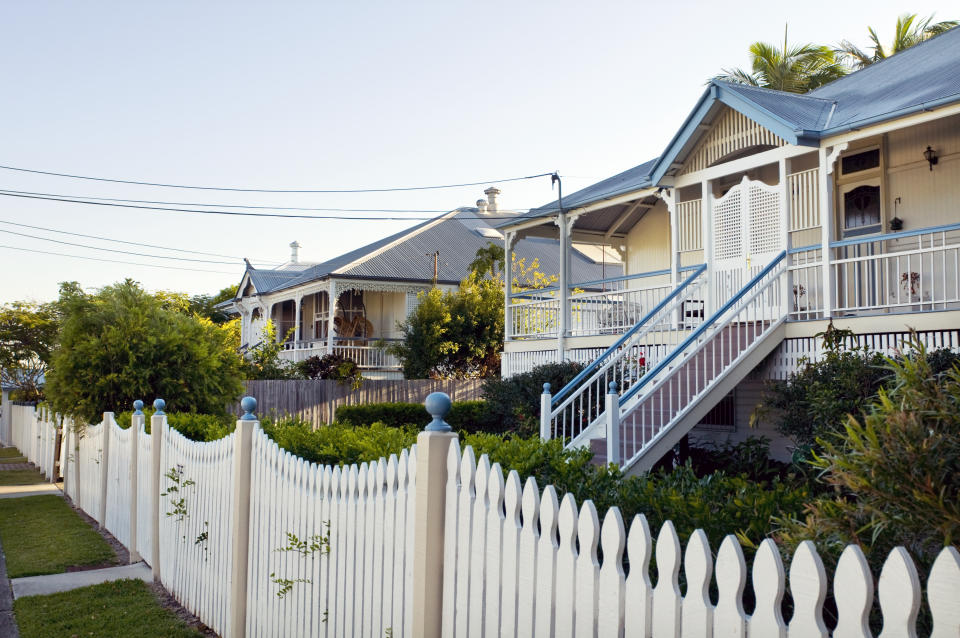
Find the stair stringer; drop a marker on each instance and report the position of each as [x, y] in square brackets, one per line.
[686, 420]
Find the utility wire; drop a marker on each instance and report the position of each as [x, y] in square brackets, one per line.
[5, 193]
[136, 243]
[270, 190]
[115, 261]
[112, 250]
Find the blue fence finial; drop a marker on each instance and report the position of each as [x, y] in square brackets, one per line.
[138, 407]
[438, 405]
[158, 406]
[248, 404]
[613, 387]
[546, 388]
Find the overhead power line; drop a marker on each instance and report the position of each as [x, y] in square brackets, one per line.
[115, 261]
[273, 190]
[136, 243]
[113, 250]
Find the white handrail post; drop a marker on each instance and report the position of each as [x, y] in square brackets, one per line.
[242, 456]
[158, 423]
[104, 467]
[545, 408]
[612, 409]
[136, 422]
[433, 446]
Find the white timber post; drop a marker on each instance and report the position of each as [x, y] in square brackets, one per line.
[545, 408]
[242, 453]
[785, 198]
[826, 225]
[509, 328]
[433, 446]
[6, 419]
[612, 409]
[158, 423]
[104, 467]
[706, 228]
[297, 310]
[563, 322]
[136, 422]
[668, 198]
[331, 314]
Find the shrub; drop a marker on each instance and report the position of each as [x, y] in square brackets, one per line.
[339, 444]
[750, 458]
[123, 343]
[895, 472]
[514, 403]
[464, 416]
[330, 366]
[194, 426]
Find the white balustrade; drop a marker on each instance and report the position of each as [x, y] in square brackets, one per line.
[533, 315]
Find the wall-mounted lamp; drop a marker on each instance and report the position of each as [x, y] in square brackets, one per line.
[896, 223]
[931, 156]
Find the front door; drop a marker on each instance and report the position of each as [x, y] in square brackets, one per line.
[748, 235]
[860, 278]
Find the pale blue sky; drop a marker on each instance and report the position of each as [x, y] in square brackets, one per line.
[343, 95]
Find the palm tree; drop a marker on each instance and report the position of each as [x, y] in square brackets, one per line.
[794, 68]
[910, 30]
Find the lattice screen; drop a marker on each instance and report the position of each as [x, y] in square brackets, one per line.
[730, 132]
[766, 235]
[727, 215]
[690, 230]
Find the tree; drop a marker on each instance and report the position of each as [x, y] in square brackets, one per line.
[263, 360]
[121, 344]
[793, 68]
[28, 336]
[909, 30]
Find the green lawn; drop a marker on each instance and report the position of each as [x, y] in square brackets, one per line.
[123, 608]
[7, 452]
[20, 477]
[42, 535]
[12, 459]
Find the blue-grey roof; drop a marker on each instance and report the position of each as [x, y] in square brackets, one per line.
[921, 77]
[408, 256]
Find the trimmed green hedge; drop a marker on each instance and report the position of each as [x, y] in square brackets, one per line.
[464, 417]
[196, 427]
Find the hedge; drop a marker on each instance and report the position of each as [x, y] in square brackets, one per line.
[465, 416]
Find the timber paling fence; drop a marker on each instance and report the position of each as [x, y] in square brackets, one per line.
[316, 401]
[433, 542]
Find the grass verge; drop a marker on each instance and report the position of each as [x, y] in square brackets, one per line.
[43, 535]
[122, 608]
[20, 477]
[13, 459]
[8, 452]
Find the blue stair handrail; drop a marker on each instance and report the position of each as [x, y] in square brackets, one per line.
[596, 363]
[657, 369]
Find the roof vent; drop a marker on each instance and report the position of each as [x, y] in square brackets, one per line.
[294, 252]
[482, 205]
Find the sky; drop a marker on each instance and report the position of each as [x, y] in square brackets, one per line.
[333, 96]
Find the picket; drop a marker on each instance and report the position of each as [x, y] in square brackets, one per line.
[638, 591]
[527, 577]
[612, 586]
[729, 620]
[899, 593]
[853, 591]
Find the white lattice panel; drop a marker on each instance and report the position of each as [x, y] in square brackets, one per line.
[766, 236]
[728, 225]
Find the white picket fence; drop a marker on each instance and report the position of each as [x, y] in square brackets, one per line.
[35, 433]
[438, 543]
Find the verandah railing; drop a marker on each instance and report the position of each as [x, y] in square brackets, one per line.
[435, 542]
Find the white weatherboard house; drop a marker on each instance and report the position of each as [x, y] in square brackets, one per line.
[375, 287]
[767, 215]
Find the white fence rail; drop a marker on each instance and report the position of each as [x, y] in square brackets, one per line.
[513, 561]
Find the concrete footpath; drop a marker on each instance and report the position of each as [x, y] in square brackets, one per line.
[38, 489]
[53, 583]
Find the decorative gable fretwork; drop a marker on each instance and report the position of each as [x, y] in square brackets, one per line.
[730, 132]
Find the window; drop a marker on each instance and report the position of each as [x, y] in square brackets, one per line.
[860, 162]
[861, 208]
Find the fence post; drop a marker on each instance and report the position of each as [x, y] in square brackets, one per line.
[612, 409]
[136, 421]
[545, 408]
[242, 453]
[433, 445]
[6, 418]
[104, 467]
[157, 424]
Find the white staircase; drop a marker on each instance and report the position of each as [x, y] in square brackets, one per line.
[690, 364]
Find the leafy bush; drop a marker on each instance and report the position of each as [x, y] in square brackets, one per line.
[514, 403]
[330, 366]
[122, 343]
[895, 472]
[262, 361]
[465, 416]
[337, 443]
[196, 427]
[750, 458]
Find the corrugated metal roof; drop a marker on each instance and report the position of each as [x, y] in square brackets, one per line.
[411, 257]
[800, 111]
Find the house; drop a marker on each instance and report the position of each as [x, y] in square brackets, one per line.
[375, 287]
[767, 215]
